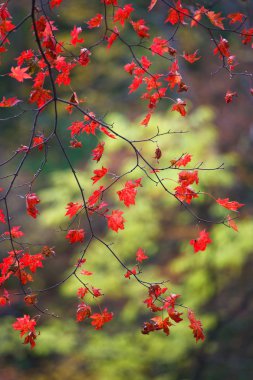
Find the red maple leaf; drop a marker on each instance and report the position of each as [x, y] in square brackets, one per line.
[183, 161]
[98, 151]
[131, 272]
[123, 14]
[191, 58]
[95, 21]
[222, 48]
[140, 28]
[15, 232]
[72, 209]
[177, 14]
[99, 319]
[152, 4]
[140, 255]
[10, 102]
[215, 19]
[75, 36]
[99, 173]
[83, 312]
[231, 223]
[229, 96]
[115, 220]
[75, 236]
[236, 17]
[230, 205]
[128, 194]
[31, 201]
[179, 107]
[19, 73]
[38, 142]
[201, 243]
[196, 326]
[114, 35]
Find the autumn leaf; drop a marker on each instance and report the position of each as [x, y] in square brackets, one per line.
[99, 319]
[129, 192]
[75, 236]
[201, 243]
[31, 201]
[229, 96]
[191, 58]
[215, 19]
[231, 223]
[152, 4]
[19, 73]
[196, 326]
[95, 22]
[140, 255]
[75, 36]
[230, 205]
[236, 17]
[123, 14]
[115, 220]
[99, 173]
[72, 209]
[180, 107]
[177, 14]
[183, 161]
[10, 102]
[83, 312]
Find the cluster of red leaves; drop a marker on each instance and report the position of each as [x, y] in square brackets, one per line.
[168, 304]
[17, 263]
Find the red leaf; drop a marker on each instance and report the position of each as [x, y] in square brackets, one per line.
[215, 19]
[140, 255]
[123, 14]
[201, 243]
[19, 73]
[99, 173]
[72, 209]
[236, 17]
[230, 205]
[180, 107]
[75, 236]
[9, 102]
[152, 4]
[177, 15]
[196, 326]
[31, 201]
[231, 223]
[191, 58]
[128, 194]
[99, 319]
[229, 96]
[95, 22]
[83, 312]
[75, 36]
[115, 220]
